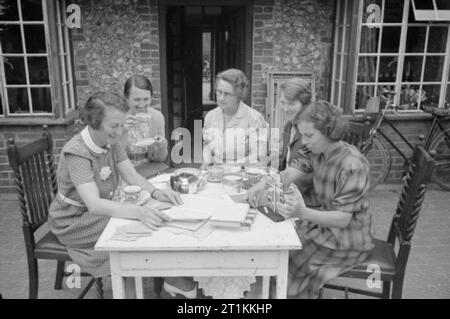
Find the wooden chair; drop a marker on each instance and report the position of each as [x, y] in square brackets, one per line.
[35, 176]
[391, 255]
[357, 133]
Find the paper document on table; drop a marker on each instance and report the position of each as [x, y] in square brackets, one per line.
[131, 232]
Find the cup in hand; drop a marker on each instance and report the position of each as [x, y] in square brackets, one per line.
[131, 193]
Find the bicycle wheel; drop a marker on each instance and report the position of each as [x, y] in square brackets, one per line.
[380, 161]
[440, 150]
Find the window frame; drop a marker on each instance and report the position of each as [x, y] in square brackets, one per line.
[52, 15]
[348, 103]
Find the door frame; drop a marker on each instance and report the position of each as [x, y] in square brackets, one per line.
[248, 51]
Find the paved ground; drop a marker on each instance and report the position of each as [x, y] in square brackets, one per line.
[427, 274]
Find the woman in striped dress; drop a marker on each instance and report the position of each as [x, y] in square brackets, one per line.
[88, 175]
[337, 235]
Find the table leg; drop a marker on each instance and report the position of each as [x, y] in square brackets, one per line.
[118, 286]
[282, 276]
[139, 288]
[265, 287]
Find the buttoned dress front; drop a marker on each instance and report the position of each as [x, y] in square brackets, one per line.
[341, 183]
[81, 162]
[241, 140]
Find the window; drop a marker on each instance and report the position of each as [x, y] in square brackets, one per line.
[32, 81]
[431, 10]
[395, 51]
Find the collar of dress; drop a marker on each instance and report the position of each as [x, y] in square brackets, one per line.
[87, 139]
[331, 149]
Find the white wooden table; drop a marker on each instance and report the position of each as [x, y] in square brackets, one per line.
[262, 251]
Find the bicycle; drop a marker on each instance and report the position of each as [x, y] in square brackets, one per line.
[437, 145]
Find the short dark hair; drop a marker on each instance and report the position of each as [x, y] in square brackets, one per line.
[237, 79]
[139, 81]
[297, 89]
[325, 117]
[93, 111]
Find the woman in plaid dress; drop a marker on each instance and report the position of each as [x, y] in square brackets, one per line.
[88, 175]
[336, 236]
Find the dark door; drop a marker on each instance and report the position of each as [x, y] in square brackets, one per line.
[198, 42]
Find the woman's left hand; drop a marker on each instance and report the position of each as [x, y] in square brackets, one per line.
[294, 204]
[167, 195]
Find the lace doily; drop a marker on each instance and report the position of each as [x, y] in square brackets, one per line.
[225, 287]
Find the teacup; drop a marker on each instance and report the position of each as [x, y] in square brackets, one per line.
[254, 174]
[132, 193]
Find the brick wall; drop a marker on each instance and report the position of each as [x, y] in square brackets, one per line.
[118, 38]
[21, 135]
[291, 35]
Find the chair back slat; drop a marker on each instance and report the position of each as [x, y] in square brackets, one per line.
[40, 191]
[35, 178]
[357, 133]
[47, 189]
[29, 193]
[412, 196]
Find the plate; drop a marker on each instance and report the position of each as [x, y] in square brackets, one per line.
[145, 142]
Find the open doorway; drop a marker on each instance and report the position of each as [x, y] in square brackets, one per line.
[198, 40]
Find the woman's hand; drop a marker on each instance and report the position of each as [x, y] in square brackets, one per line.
[131, 121]
[256, 195]
[293, 205]
[152, 218]
[167, 195]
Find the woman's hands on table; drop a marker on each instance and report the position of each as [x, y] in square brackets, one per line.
[152, 217]
[257, 194]
[167, 195]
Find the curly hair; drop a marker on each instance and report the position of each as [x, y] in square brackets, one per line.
[326, 118]
[297, 89]
[93, 112]
[237, 79]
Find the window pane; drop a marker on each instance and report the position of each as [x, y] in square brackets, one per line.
[340, 37]
[38, 69]
[366, 15]
[367, 69]
[437, 39]
[337, 67]
[11, 13]
[409, 97]
[369, 40]
[32, 10]
[1, 104]
[336, 93]
[388, 69]
[447, 97]
[14, 70]
[424, 4]
[11, 38]
[433, 68]
[415, 41]
[341, 11]
[41, 100]
[363, 94]
[35, 38]
[430, 95]
[393, 12]
[443, 4]
[412, 68]
[18, 100]
[411, 17]
[390, 41]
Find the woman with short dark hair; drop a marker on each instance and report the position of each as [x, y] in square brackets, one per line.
[88, 175]
[145, 135]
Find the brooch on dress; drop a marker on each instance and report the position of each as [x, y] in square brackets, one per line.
[105, 172]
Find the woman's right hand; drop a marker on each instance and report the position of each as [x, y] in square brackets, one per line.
[152, 217]
[256, 194]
